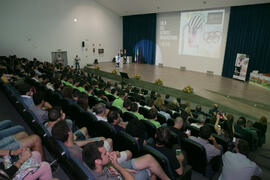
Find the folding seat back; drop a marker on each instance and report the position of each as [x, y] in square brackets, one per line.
[150, 128]
[127, 116]
[88, 120]
[161, 158]
[161, 118]
[144, 111]
[125, 141]
[194, 131]
[222, 141]
[92, 101]
[114, 108]
[72, 166]
[105, 129]
[196, 155]
[110, 97]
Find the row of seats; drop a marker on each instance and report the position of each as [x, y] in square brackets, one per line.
[72, 167]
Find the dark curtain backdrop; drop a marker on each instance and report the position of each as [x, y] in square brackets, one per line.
[248, 33]
[139, 32]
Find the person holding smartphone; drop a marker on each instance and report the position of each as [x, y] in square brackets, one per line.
[174, 156]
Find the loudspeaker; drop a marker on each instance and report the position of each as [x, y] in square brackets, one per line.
[83, 44]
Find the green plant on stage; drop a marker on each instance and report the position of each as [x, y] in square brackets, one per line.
[159, 82]
[188, 89]
[114, 71]
[137, 76]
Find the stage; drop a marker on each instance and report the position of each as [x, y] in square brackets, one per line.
[246, 98]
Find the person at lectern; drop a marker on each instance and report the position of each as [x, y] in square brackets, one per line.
[125, 56]
[77, 62]
[117, 60]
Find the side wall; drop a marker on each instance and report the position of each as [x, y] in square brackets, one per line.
[167, 52]
[35, 28]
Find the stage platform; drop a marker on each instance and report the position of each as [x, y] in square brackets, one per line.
[246, 98]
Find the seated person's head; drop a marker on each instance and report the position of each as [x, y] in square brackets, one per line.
[242, 122]
[178, 122]
[61, 131]
[167, 96]
[201, 119]
[94, 154]
[25, 89]
[163, 136]
[134, 107]
[114, 91]
[113, 117]
[205, 132]
[198, 108]
[100, 108]
[67, 92]
[152, 114]
[263, 120]
[163, 108]
[75, 94]
[56, 114]
[242, 147]
[127, 104]
[121, 94]
[38, 98]
[83, 101]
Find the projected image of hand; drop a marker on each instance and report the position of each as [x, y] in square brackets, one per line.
[194, 26]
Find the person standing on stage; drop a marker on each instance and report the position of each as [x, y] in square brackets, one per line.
[59, 59]
[77, 63]
[117, 60]
[125, 56]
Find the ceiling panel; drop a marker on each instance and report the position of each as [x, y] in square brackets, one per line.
[132, 7]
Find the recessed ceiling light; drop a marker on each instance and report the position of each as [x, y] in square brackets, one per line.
[75, 20]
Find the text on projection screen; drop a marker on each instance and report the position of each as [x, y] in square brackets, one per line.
[201, 33]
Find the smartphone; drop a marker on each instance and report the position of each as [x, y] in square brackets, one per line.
[187, 132]
[234, 140]
[178, 152]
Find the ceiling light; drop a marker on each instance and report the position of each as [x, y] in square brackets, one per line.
[75, 20]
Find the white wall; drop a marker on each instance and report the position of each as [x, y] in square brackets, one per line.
[167, 51]
[35, 28]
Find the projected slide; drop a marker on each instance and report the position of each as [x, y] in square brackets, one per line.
[201, 33]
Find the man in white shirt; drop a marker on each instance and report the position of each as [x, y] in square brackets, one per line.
[237, 165]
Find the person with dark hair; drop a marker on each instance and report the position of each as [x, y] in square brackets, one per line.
[98, 159]
[205, 137]
[118, 102]
[62, 132]
[55, 115]
[152, 117]
[134, 109]
[214, 111]
[26, 91]
[126, 105]
[163, 138]
[114, 119]
[238, 165]
[262, 126]
[40, 107]
[246, 133]
[83, 101]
